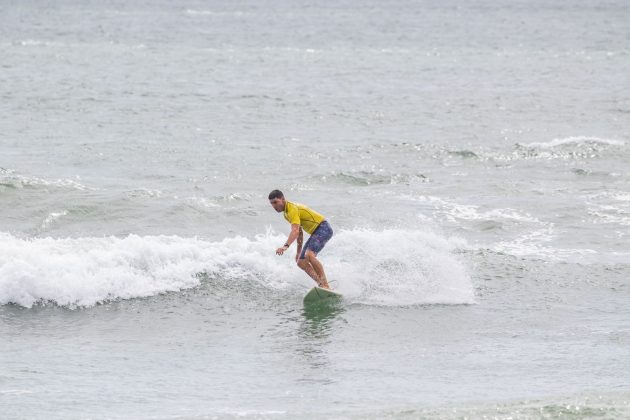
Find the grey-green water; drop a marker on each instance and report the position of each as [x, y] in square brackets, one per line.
[472, 159]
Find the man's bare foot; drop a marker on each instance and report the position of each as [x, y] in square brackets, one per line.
[324, 285]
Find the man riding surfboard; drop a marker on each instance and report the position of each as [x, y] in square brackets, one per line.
[301, 217]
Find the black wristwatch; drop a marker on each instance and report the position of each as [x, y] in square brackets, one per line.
[287, 246]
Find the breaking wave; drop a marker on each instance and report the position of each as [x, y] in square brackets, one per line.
[391, 267]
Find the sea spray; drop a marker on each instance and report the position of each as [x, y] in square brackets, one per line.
[390, 267]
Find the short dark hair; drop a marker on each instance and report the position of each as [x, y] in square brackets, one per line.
[275, 194]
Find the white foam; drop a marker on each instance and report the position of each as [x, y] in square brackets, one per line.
[574, 140]
[21, 181]
[399, 267]
[610, 207]
[52, 217]
[37, 43]
[144, 192]
[453, 211]
[194, 12]
[15, 391]
[532, 245]
[200, 12]
[201, 202]
[393, 267]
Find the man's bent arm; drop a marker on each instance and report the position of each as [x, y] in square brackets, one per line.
[295, 232]
[299, 241]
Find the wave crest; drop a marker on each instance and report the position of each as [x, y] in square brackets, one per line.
[577, 140]
[392, 267]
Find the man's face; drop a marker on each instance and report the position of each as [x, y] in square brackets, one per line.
[277, 204]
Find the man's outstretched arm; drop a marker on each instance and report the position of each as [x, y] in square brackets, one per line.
[295, 232]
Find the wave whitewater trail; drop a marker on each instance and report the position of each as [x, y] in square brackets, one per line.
[390, 267]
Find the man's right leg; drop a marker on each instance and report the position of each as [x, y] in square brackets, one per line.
[306, 266]
[318, 267]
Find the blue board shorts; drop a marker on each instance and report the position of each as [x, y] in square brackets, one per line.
[318, 239]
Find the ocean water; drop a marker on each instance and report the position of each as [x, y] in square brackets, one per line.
[473, 159]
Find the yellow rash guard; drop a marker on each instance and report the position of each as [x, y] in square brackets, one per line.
[299, 214]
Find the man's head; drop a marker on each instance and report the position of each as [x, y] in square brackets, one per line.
[277, 201]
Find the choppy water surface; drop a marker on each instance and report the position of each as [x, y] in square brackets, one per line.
[473, 160]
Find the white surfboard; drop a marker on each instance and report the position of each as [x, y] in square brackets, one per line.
[317, 294]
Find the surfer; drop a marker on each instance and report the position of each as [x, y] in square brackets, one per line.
[302, 217]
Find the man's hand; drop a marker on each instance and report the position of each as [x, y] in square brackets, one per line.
[297, 255]
[295, 231]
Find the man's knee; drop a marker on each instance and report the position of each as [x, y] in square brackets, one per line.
[302, 263]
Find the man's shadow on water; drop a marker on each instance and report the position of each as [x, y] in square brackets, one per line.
[319, 316]
[318, 323]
